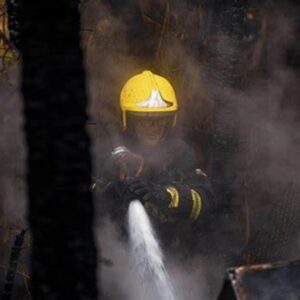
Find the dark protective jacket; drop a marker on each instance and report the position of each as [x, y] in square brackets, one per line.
[186, 217]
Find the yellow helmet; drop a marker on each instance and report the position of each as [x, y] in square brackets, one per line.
[147, 93]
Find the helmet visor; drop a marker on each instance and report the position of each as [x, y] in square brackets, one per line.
[147, 119]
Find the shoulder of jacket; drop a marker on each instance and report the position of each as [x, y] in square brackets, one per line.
[187, 157]
[183, 156]
[182, 148]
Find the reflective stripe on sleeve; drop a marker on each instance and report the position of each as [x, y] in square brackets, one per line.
[174, 197]
[196, 206]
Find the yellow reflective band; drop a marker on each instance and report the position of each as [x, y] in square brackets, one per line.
[196, 208]
[174, 197]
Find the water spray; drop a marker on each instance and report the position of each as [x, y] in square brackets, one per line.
[145, 250]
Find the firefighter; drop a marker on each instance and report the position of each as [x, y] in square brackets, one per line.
[155, 166]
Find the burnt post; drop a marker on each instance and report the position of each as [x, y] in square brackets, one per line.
[58, 151]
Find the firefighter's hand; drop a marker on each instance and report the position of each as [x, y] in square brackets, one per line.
[147, 191]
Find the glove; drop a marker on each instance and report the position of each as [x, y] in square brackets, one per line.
[146, 191]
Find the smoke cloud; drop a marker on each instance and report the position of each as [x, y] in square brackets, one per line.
[12, 186]
[264, 109]
[266, 115]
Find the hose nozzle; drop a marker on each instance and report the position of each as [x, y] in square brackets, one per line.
[131, 164]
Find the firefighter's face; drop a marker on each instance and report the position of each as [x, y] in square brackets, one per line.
[150, 131]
